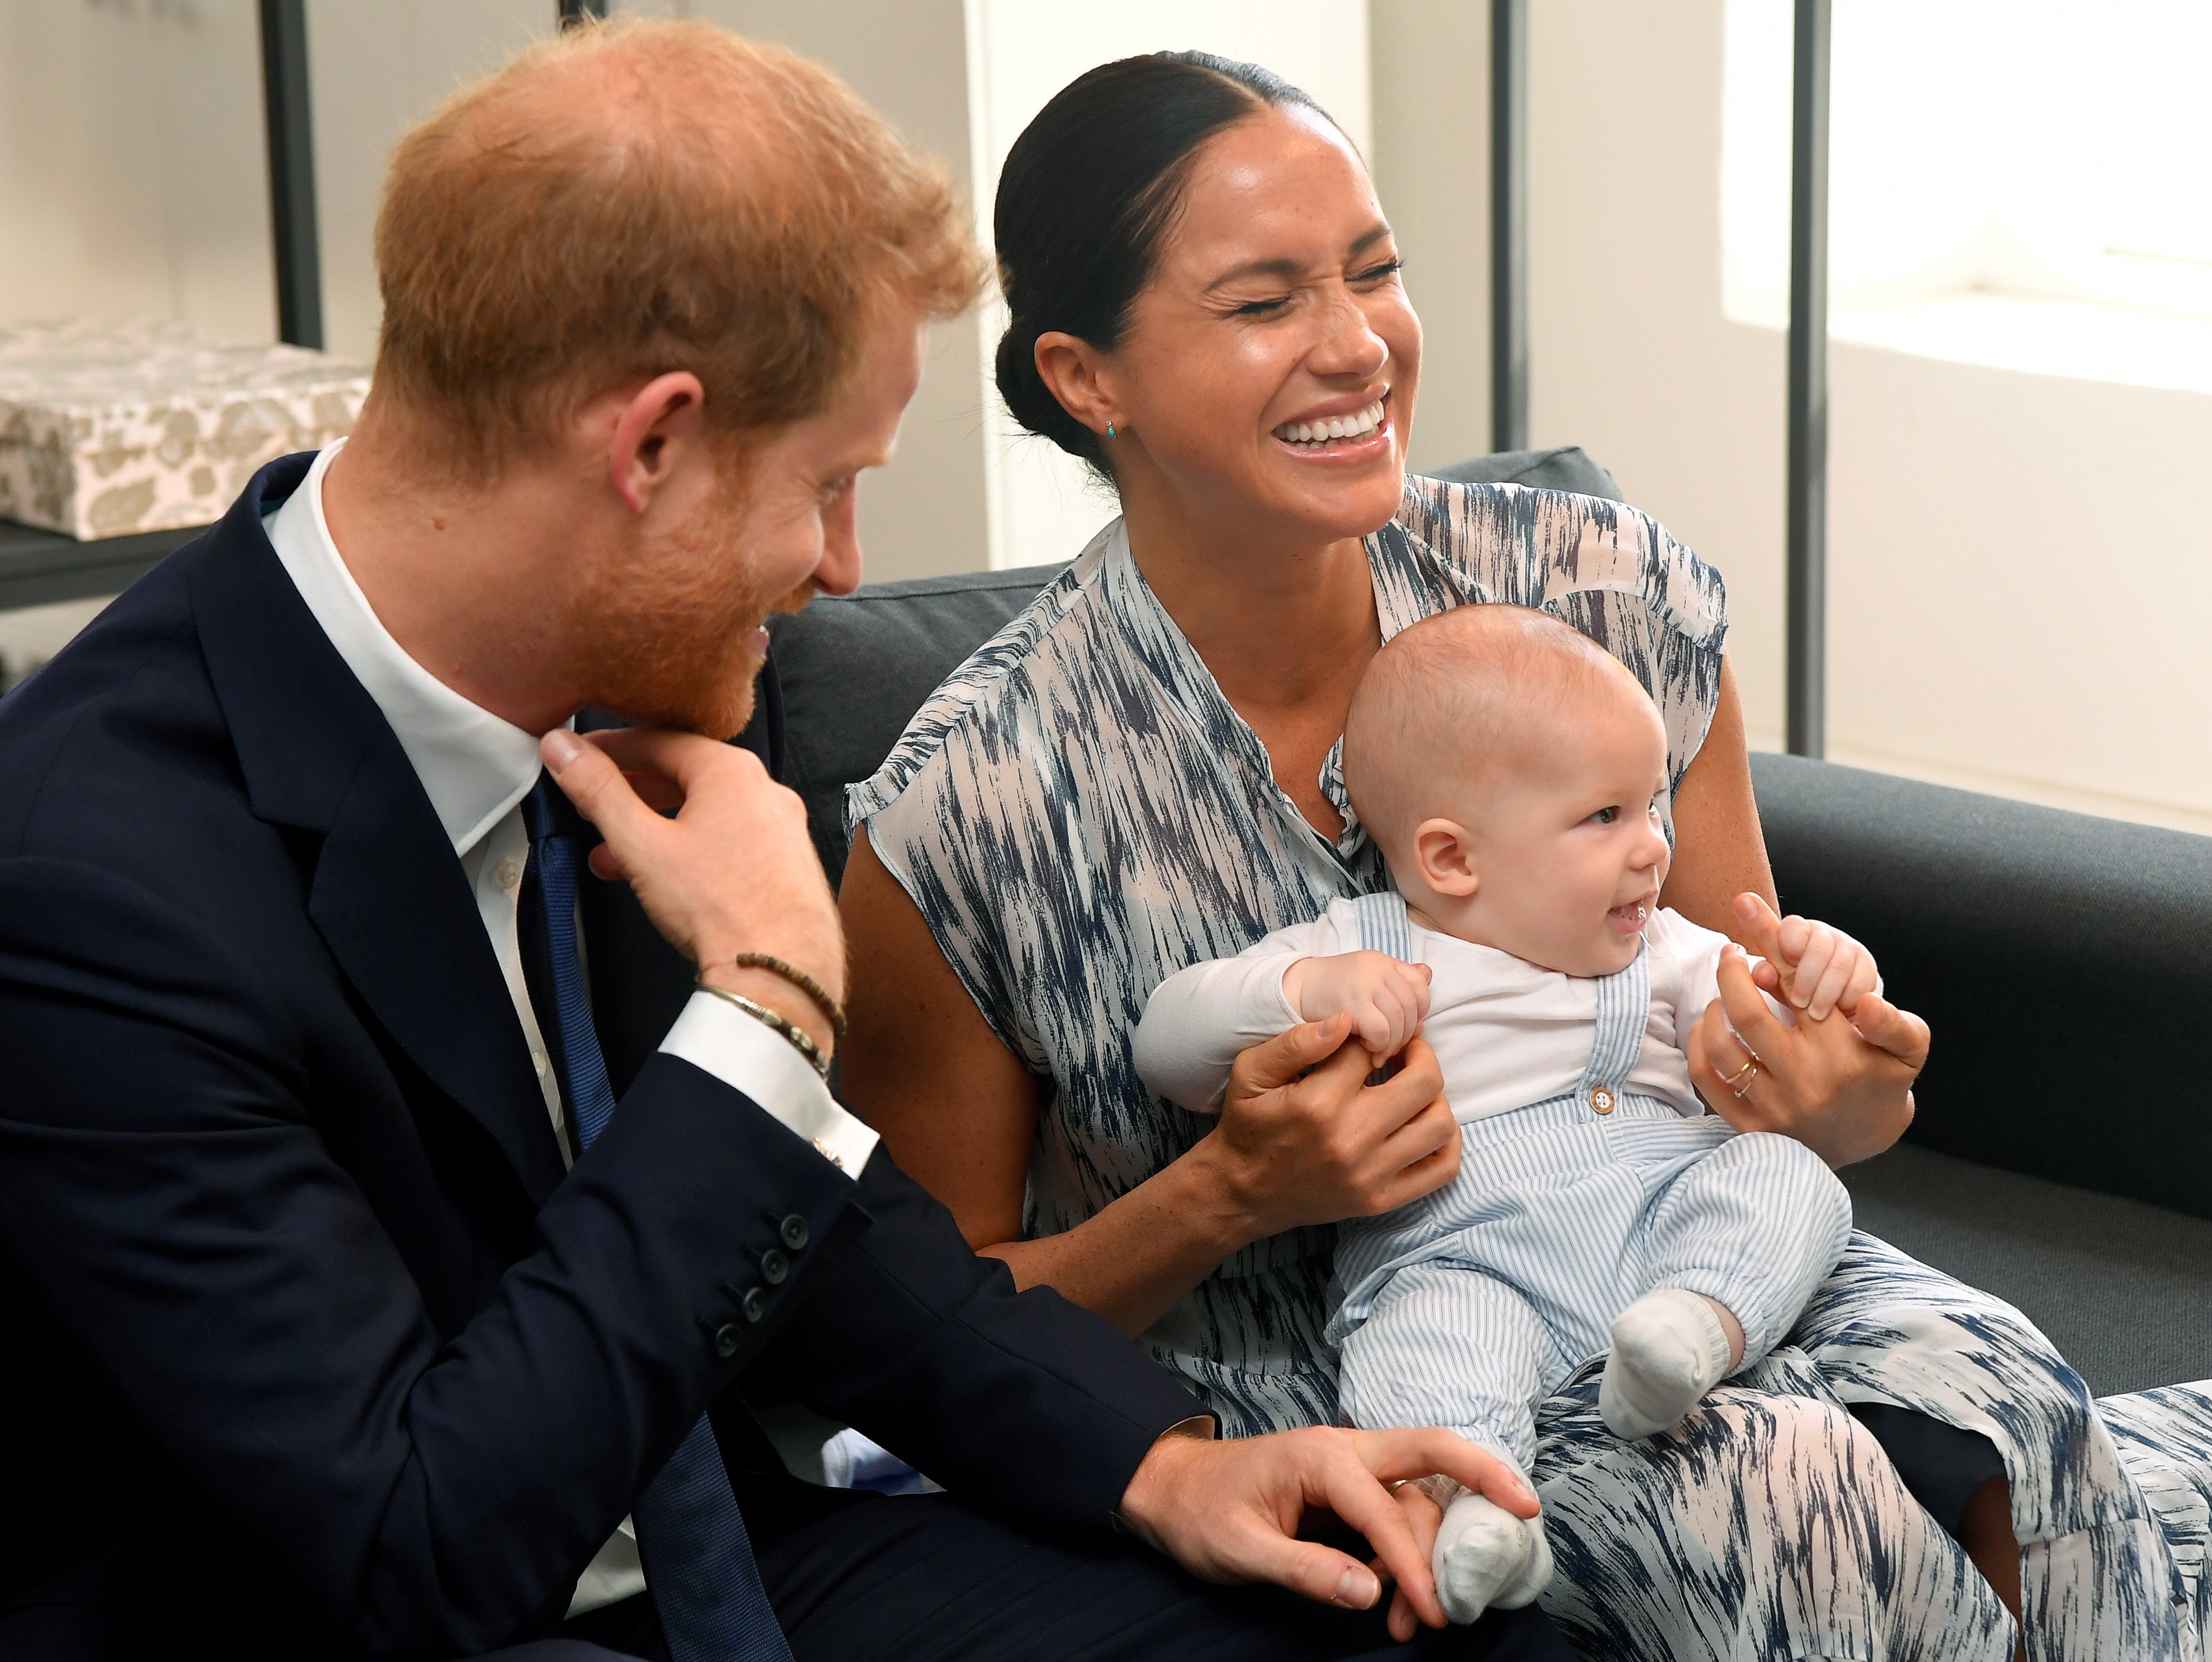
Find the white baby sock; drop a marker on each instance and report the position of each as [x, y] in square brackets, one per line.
[1486, 1556]
[1668, 1349]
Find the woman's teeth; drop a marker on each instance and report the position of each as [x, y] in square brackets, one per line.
[1357, 425]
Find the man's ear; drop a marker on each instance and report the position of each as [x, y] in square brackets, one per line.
[1075, 372]
[1444, 853]
[660, 427]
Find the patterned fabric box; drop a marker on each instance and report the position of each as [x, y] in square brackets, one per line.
[107, 428]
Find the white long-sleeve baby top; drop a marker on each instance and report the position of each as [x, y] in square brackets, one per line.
[1506, 1033]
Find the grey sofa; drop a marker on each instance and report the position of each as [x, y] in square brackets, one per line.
[2062, 1157]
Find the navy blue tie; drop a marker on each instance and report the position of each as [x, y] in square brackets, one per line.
[698, 1559]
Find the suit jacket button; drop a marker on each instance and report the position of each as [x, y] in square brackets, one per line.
[725, 1339]
[793, 1229]
[774, 1267]
[756, 1304]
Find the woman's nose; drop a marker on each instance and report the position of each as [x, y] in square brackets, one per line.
[1349, 345]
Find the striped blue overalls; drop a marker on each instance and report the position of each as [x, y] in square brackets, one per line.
[1469, 1307]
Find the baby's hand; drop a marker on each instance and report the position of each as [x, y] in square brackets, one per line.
[1385, 999]
[1818, 969]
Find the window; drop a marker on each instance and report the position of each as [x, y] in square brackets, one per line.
[2025, 183]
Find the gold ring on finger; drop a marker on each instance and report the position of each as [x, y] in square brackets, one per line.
[1751, 1068]
[1746, 1068]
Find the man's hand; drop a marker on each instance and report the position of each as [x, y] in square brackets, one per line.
[733, 872]
[1230, 1510]
[1386, 1000]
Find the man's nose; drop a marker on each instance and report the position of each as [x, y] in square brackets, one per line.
[840, 571]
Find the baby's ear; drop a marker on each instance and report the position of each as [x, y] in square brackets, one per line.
[1445, 855]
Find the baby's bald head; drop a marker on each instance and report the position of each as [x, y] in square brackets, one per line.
[1467, 701]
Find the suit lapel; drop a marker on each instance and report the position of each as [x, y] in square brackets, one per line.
[388, 897]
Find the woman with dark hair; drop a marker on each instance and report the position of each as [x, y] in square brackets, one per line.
[1141, 772]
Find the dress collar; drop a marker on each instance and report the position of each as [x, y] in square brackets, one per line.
[474, 766]
[1161, 645]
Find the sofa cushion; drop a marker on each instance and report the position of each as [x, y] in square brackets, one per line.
[854, 669]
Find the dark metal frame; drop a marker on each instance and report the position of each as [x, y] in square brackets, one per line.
[1509, 224]
[1805, 666]
[1805, 671]
[292, 227]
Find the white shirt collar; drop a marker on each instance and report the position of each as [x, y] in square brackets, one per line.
[474, 766]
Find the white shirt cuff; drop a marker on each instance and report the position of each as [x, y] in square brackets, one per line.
[748, 1055]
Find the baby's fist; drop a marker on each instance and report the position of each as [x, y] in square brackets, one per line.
[1386, 999]
[1819, 968]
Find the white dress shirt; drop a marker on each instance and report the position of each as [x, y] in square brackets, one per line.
[477, 769]
[1506, 1033]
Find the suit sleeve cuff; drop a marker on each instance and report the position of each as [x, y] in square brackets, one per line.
[721, 1039]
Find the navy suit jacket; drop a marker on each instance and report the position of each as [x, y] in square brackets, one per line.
[310, 1334]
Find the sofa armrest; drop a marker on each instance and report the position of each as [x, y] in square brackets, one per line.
[2063, 963]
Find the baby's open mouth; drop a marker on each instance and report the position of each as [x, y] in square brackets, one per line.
[1631, 918]
[1337, 429]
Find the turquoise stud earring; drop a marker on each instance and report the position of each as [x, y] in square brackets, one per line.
[1109, 429]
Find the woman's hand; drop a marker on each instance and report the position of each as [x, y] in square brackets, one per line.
[1303, 1139]
[1840, 1085]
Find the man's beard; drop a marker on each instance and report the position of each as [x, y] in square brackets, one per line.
[670, 642]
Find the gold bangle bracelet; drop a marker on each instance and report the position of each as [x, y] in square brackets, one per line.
[800, 1039]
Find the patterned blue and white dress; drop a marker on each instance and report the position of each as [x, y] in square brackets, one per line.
[1079, 814]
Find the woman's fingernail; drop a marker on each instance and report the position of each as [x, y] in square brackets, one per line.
[559, 748]
[1356, 1588]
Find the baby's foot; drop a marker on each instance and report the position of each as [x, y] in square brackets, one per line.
[1485, 1557]
[1668, 1349]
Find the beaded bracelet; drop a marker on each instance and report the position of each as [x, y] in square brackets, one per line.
[799, 978]
[800, 1039]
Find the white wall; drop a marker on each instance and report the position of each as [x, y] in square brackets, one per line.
[132, 182]
[1043, 505]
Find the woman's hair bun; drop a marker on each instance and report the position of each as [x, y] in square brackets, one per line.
[1087, 190]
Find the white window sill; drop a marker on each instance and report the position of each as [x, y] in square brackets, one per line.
[2075, 338]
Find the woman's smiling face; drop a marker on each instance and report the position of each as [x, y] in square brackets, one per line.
[1274, 317]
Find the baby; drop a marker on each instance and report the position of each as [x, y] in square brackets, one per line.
[1513, 775]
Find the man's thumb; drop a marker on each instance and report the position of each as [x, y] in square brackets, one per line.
[590, 779]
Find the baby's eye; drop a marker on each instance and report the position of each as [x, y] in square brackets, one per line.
[1606, 816]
